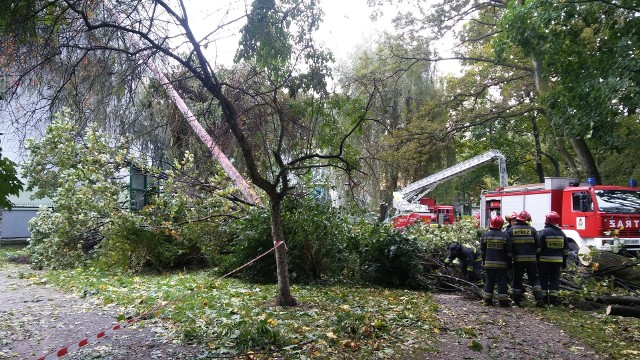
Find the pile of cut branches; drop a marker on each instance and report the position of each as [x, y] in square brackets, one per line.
[606, 280]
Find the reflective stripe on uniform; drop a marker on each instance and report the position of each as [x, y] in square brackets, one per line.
[551, 259]
[524, 258]
[495, 264]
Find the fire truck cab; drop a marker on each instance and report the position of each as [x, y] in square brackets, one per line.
[604, 216]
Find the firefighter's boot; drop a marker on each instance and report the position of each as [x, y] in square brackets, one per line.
[518, 299]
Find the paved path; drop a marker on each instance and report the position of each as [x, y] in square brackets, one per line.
[501, 333]
[36, 319]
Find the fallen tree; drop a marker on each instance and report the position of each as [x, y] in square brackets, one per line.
[620, 310]
[608, 263]
[619, 300]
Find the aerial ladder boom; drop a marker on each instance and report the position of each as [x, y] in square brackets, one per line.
[406, 198]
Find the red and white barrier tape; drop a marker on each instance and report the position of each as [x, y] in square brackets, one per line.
[86, 341]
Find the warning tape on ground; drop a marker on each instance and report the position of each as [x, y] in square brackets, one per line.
[86, 341]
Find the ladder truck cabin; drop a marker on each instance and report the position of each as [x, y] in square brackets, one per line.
[604, 216]
[411, 205]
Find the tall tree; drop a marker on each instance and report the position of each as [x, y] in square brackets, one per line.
[272, 101]
[533, 52]
[584, 66]
[393, 146]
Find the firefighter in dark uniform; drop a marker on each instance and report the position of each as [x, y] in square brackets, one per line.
[496, 255]
[470, 261]
[524, 243]
[510, 220]
[554, 249]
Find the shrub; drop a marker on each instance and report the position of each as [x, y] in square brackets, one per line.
[404, 258]
[82, 174]
[392, 258]
[315, 233]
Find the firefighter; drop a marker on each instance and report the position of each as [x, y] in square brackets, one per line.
[510, 219]
[470, 260]
[524, 244]
[496, 256]
[553, 252]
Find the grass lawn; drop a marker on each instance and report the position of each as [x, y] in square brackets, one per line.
[231, 317]
[614, 337]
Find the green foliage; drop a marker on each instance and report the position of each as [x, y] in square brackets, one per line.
[78, 173]
[325, 245]
[233, 318]
[585, 49]
[436, 239]
[127, 245]
[392, 259]
[612, 336]
[265, 36]
[56, 242]
[83, 175]
[315, 233]
[12, 254]
[17, 17]
[9, 182]
[405, 258]
[277, 35]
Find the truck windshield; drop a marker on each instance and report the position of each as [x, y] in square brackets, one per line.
[618, 201]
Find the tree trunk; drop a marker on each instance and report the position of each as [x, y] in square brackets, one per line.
[568, 159]
[586, 158]
[284, 289]
[556, 165]
[620, 310]
[202, 134]
[619, 300]
[581, 148]
[536, 138]
[622, 267]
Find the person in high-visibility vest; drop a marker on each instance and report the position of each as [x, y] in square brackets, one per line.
[496, 257]
[552, 257]
[524, 242]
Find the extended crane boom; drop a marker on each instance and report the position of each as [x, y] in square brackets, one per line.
[406, 198]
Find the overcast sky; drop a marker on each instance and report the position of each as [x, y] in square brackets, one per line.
[345, 27]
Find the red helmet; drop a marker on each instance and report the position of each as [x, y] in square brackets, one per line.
[552, 218]
[496, 222]
[523, 216]
[513, 215]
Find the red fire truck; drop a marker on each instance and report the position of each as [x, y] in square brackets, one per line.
[604, 216]
[411, 205]
[427, 212]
